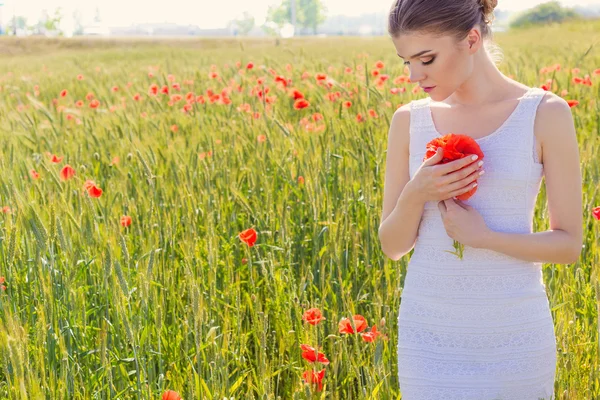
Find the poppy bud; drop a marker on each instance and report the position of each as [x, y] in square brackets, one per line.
[97, 156]
[129, 156]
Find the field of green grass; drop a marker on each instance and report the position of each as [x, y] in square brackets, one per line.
[169, 215]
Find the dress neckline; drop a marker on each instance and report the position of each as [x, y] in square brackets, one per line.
[499, 129]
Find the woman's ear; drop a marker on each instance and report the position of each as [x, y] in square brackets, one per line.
[474, 39]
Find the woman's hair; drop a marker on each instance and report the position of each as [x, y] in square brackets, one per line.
[445, 17]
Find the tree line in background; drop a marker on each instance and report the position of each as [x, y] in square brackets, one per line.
[305, 15]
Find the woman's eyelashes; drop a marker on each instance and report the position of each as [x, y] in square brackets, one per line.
[425, 63]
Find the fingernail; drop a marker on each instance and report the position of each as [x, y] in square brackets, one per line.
[474, 157]
[480, 163]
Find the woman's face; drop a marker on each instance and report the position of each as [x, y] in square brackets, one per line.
[435, 61]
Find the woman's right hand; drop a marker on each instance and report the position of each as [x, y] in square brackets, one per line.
[437, 182]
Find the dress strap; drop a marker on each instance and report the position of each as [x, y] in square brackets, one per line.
[419, 118]
[534, 97]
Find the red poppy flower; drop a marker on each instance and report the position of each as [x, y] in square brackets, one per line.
[174, 128]
[296, 94]
[125, 220]
[379, 64]
[345, 326]
[312, 355]
[248, 236]
[171, 395]
[67, 172]
[250, 65]
[312, 377]
[572, 103]
[34, 174]
[94, 103]
[55, 159]
[63, 93]
[115, 89]
[301, 103]
[455, 146]
[596, 213]
[372, 335]
[92, 189]
[313, 316]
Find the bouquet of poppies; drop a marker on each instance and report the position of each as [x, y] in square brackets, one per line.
[455, 146]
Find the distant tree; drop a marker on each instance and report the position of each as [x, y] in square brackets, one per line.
[17, 22]
[309, 13]
[245, 23]
[53, 23]
[77, 24]
[548, 12]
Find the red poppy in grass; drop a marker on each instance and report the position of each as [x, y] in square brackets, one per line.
[296, 94]
[171, 395]
[92, 189]
[137, 97]
[80, 77]
[250, 65]
[55, 159]
[63, 93]
[248, 236]
[164, 89]
[300, 179]
[5, 210]
[359, 117]
[313, 316]
[174, 128]
[372, 335]
[153, 89]
[94, 103]
[345, 326]
[301, 103]
[67, 172]
[572, 103]
[379, 64]
[320, 77]
[311, 354]
[34, 174]
[125, 220]
[312, 377]
[596, 213]
[115, 89]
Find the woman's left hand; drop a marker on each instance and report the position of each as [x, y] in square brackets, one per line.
[463, 223]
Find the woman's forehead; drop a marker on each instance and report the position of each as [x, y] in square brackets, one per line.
[408, 45]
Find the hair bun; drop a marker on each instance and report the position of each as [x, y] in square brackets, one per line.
[488, 5]
[487, 8]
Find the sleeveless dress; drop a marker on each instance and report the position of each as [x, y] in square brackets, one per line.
[479, 328]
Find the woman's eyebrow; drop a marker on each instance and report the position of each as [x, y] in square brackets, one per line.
[415, 55]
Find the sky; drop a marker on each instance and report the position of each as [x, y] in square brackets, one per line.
[207, 14]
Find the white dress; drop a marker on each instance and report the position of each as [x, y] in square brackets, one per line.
[478, 328]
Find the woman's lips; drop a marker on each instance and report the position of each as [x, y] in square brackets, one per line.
[428, 89]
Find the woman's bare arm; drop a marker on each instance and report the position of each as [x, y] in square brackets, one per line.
[402, 209]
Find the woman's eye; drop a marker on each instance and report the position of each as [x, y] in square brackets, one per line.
[424, 63]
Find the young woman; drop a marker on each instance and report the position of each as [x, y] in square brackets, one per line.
[480, 327]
